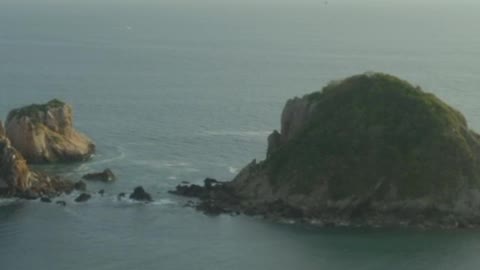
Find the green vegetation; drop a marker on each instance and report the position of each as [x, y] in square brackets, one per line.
[377, 131]
[33, 109]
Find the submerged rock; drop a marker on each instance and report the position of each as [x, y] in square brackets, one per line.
[105, 176]
[368, 150]
[45, 134]
[139, 194]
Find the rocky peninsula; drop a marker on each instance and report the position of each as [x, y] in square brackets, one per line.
[44, 133]
[369, 150]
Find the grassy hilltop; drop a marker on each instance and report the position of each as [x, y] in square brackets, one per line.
[375, 131]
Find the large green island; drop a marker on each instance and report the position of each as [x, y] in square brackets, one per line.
[369, 150]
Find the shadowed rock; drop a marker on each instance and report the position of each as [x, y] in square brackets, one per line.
[139, 194]
[83, 197]
[105, 176]
[80, 186]
[62, 203]
[45, 200]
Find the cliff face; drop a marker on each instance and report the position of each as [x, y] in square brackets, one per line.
[17, 179]
[295, 118]
[45, 134]
[14, 173]
[373, 142]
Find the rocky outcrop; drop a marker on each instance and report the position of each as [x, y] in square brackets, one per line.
[369, 150]
[14, 172]
[83, 198]
[18, 180]
[45, 134]
[2, 130]
[106, 176]
[139, 194]
[295, 117]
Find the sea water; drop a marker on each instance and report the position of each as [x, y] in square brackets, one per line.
[176, 91]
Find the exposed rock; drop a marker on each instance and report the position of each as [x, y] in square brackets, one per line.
[105, 176]
[211, 208]
[45, 200]
[45, 134]
[80, 186]
[14, 172]
[101, 192]
[274, 142]
[369, 150]
[189, 191]
[28, 195]
[2, 130]
[17, 179]
[62, 203]
[139, 194]
[296, 116]
[216, 197]
[121, 195]
[83, 197]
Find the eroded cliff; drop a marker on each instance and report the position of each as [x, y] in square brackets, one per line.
[45, 134]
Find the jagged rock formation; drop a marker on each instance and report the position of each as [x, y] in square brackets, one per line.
[45, 134]
[139, 194]
[2, 130]
[14, 172]
[106, 176]
[18, 180]
[371, 149]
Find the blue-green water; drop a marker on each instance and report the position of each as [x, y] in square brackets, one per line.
[178, 91]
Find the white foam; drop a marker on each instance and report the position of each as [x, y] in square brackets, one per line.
[233, 170]
[163, 202]
[172, 178]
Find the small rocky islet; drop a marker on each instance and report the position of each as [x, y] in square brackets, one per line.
[369, 150]
[44, 134]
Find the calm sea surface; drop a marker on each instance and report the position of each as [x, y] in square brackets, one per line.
[178, 91]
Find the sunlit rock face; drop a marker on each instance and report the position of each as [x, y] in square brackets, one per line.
[14, 172]
[45, 134]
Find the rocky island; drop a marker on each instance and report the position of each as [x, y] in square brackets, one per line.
[18, 180]
[39, 134]
[369, 150]
[44, 133]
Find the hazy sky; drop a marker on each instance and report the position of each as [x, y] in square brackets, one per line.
[258, 2]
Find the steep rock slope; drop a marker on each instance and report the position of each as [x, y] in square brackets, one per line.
[45, 134]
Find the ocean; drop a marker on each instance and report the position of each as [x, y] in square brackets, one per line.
[176, 91]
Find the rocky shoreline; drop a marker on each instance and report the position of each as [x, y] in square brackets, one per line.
[352, 155]
[217, 198]
[44, 133]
